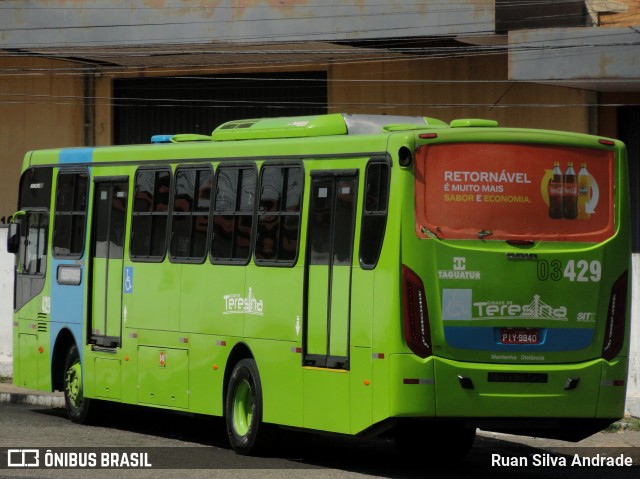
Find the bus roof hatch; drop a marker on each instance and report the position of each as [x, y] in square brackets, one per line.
[470, 122]
[319, 125]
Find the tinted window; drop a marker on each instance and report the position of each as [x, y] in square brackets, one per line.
[110, 207]
[320, 220]
[70, 216]
[233, 214]
[345, 206]
[279, 214]
[150, 213]
[35, 188]
[331, 219]
[374, 215]
[190, 213]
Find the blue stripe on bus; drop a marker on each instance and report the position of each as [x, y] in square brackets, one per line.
[483, 338]
[76, 155]
[67, 303]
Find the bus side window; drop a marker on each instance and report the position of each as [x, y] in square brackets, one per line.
[233, 214]
[279, 215]
[149, 215]
[374, 214]
[70, 214]
[190, 214]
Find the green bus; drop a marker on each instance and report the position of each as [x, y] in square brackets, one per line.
[352, 274]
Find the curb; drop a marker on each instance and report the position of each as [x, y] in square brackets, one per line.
[15, 395]
[632, 406]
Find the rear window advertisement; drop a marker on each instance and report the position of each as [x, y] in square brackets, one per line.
[514, 192]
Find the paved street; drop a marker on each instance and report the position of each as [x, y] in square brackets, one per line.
[203, 444]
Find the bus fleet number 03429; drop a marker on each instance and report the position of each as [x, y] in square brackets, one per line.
[581, 271]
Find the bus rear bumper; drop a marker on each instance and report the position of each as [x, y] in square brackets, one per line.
[513, 395]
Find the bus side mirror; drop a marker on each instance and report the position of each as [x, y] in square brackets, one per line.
[13, 238]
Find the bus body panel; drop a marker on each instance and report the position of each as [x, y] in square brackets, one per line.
[412, 386]
[326, 400]
[567, 315]
[611, 397]
[282, 380]
[499, 391]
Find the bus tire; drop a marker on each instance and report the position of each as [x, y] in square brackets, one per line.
[243, 409]
[78, 407]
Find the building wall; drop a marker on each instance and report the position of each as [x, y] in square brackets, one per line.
[40, 107]
[103, 127]
[619, 13]
[473, 86]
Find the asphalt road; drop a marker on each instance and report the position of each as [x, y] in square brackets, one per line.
[188, 447]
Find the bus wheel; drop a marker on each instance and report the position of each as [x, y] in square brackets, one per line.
[243, 409]
[78, 407]
[442, 443]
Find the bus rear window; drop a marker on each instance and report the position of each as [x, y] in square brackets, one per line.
[503, 191]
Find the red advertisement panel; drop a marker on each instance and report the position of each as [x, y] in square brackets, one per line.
[514, 192]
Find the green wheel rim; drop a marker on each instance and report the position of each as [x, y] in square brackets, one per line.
[242, 408]
[74, 384]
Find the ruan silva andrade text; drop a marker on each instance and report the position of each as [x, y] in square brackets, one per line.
[553, 460]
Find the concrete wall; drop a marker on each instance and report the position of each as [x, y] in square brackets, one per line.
[6, 306]
[134, 22]
[633, 385]
[6, 310]
[41, 106]
[607, 61]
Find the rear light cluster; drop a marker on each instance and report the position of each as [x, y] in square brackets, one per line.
[616, 318]
[417, 333]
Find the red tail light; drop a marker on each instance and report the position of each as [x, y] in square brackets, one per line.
[416, 317]
[616, 319]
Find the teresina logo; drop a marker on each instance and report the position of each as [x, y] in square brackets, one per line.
[236, 304]
[537, 309]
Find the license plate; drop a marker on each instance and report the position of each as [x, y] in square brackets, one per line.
[519, 336]
[518, 378]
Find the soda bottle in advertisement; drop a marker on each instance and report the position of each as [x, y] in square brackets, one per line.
[570, 193]
[584, 192]
[555, 191]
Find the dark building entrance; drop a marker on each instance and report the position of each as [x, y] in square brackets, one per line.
[169, 105]
[629, 133]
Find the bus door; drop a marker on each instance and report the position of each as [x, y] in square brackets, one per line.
[107, 250]
[328, 268]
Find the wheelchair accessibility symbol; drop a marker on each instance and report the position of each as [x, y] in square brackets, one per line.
[128, 280]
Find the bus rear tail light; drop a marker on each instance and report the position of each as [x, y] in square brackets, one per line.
[616, 318]
[416, 317]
